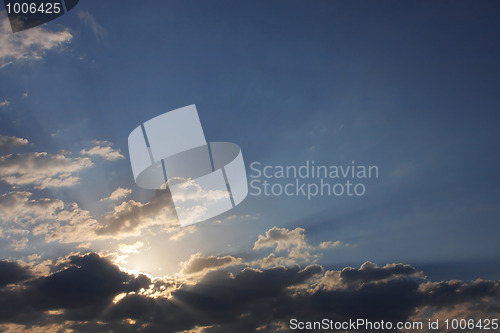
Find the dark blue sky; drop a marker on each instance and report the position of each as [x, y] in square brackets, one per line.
[411, 87]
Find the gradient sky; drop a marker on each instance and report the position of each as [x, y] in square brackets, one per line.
[411, 87]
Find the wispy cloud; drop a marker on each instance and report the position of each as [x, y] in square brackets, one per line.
[130, 248]
[117, 194]
[31, 44]
[90, 21]
[333, 244]
[19, 244]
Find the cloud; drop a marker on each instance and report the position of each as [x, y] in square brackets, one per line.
[87, 293]
[104, 150]
[52, 218]
[370, 272]
[4, 103]
[42, 170]
[450, 292]
[218, 299]
[90, 21]
[183, 231]
[62, 222]
[332, 245]
[198, 263]
[70, 225]
[16, 328]
[19, 244]
[31, 44]
[130, 248]
[12, 272]
[273, 260]
[293, 242]
[81, 287]
[8, 143]
[18, 206]
[130, 217]
[118, 194]
[66, 222]
[282, 239]
[34, 257]
[190, 191]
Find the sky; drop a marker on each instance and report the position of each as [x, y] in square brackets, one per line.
[409, 87]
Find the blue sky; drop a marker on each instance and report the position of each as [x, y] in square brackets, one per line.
[411, 87]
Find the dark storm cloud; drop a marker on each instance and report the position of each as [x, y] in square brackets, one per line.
[84, 287]
[254, 299]
[450, 292]
[12, 272]
[219, 298]
[370, 272]
[86, 281]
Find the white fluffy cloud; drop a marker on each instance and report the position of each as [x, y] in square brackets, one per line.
[130, 217]
[28, 45]
[104, 150]
[282, 239]
[52, 218]
[118, 194]
[19, 207]
[66, 222]
[71, 225]
[41, 169]
[11, 142]
[290, 247]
